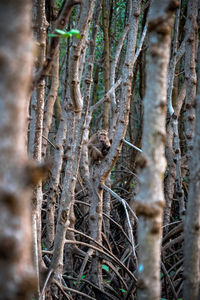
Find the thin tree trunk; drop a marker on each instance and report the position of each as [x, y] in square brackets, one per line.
[150, 200]
[37, 111]
[105, 21]
[192, 220]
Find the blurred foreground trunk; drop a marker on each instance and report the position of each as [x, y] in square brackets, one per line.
[17, 278]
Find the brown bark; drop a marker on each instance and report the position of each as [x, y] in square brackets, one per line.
[36, 127]
[101, 172]
[150, 200]
[190, 73]
[17, 278]
[105, 20]
[75, 124]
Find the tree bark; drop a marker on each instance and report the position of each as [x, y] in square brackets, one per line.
[17, 278]
[191, 289]
[150, 200]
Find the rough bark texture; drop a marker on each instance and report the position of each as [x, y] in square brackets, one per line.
[37, 109]
[190, 73]
[192, 220]
[150, 200]
[75, 123]
[101, 172]
[17, 276]
[105, 23]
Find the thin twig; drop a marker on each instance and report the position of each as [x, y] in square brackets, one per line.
[127, 216]
[44, 137]
[169, 279]
[110, 255]
[131, 145]
[45, 283]
[104, 98]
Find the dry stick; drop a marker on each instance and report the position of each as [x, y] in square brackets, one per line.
[117, 273]
[120, 227]
[72, 290]
[95, 287]
[141, 42]
[175, 265]
[91, 239]
[131, 145]
[84, 263]
[173, 242]
[90, 253]
[114, 64]
[169, 279]
[120, 199]
[173, 64]
[127, 216]
[111, 256]
[62, 290]
[44, 137]
[96, 105]
[172, 232]
[174, 117]
[105, 215]
[45, 283]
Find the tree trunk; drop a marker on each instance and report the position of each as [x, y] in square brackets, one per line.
[150, 200]
[17, 278]
[192, 220]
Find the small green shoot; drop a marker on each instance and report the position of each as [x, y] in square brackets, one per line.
[123, 291]
[64, 34]
[106, 268]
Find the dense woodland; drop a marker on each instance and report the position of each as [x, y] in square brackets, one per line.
[81, 217]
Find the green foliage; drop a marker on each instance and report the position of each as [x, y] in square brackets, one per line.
[106, 268]
[123, 291]
[59, 4]
[132, 184]
[64, 34]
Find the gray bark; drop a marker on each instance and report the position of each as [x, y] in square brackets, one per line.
[192, 220]
[17, 278]
[150, 200]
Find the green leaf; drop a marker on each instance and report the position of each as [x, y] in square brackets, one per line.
[123, 291]
[82, 277]
[74, 282]
[44, 247]
[76, 33]
[61, 32]
[106, 268]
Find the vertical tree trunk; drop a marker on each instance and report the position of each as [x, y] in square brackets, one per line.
[192, 220]
[105, 20]
[35, 146]
[150, 200]
[190, 73]
[17, 276]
